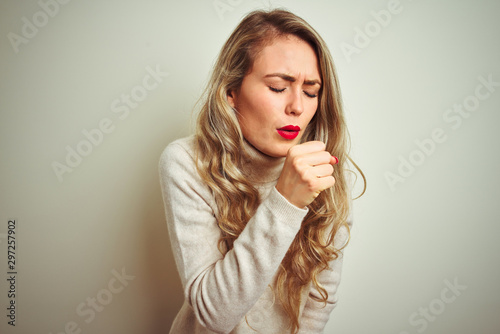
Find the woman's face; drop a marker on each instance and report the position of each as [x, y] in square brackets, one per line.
[279, 96]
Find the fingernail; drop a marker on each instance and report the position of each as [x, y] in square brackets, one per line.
[336, 159]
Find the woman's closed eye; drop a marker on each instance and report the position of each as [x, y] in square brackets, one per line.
[278, 90]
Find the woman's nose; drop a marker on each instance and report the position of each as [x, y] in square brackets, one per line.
[295, 105]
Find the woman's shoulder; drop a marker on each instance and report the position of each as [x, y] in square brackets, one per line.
[177, 169]
[182, 148]
[179, 154]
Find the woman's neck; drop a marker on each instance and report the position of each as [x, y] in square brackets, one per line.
[259, 167]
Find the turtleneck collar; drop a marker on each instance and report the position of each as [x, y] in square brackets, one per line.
[259, 167]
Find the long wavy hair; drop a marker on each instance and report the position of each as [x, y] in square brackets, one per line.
[218, 154]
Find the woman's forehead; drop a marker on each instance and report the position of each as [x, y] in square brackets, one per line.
[287, 55]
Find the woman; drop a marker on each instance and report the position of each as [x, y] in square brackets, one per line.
[256, 202]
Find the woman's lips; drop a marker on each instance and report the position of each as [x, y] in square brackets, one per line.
[289, 132]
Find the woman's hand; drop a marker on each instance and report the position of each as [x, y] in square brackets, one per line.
[307, 172]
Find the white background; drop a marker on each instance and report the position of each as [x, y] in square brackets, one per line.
[437, 224]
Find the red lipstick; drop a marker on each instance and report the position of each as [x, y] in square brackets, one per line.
[289, 131]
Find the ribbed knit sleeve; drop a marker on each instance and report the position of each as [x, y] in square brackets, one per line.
[221, 289]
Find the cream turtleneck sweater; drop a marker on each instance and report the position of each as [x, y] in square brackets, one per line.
[232, 293]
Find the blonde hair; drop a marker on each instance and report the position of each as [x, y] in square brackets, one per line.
[218, 149]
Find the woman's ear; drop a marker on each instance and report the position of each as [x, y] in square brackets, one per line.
[231, 98]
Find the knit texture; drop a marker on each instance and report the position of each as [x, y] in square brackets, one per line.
[232, 293]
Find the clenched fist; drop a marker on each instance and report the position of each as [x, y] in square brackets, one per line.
[306, 173]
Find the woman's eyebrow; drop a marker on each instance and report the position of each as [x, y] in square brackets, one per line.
[293, 79]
